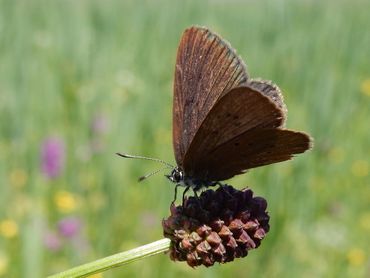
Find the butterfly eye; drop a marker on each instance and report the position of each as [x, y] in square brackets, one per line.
[177, 175]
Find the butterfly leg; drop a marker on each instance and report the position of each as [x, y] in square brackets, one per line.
[197, 197]
[222, 186]
[214, 184]
[218, 183]
[183, 195]
[195, 193]
[174, 198]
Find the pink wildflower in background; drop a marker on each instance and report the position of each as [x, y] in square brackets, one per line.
[52, 241]
[52, 157]
[99, 127]
[99, 124]
[69, 227]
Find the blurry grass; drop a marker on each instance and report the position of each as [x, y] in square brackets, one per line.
[63, 62]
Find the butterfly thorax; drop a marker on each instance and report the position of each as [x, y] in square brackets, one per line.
[179, 177]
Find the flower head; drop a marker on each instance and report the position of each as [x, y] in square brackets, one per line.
[52, 241]
[65, 201]
[4, 263]
[365, 87]
[18, 177]
[8, 228]
[69, 227]
[52, 157]
[99, 124]
[356, 257]
[219, 226]
[99, 127]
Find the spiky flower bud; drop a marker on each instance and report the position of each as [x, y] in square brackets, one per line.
[218, 226]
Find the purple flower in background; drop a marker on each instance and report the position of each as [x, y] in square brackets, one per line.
[52, 157]
[99, 124]
[69, 227]
[99, 127]
[52, 241]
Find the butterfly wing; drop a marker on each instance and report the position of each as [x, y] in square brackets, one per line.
[206, 68]
[240, 132]
[250, 150]
[270, 90]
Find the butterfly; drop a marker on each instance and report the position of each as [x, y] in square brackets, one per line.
[224, 122]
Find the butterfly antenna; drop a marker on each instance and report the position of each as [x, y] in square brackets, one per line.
[153, 173]
[145, 158]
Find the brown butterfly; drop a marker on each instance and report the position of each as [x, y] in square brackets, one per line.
[224, 122]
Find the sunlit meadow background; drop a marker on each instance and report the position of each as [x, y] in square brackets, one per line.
[81, 80]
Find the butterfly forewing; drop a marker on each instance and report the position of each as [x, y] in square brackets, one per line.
[241, 132]
[206, 68]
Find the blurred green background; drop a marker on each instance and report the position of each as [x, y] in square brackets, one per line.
[81, 80]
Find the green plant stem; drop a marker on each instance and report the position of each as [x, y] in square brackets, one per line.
[116, 260]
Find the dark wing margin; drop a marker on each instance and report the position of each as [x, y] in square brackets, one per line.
[241, 132]
[206, 69]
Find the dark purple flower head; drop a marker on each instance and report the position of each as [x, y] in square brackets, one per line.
[52, 157]
[69, 227]
[217, 226]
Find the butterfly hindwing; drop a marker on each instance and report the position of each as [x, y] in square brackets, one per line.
[272, 91]
[206, 68]
[250, 150]
[237, 134]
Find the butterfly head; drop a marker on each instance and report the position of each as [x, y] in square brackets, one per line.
[176, 176]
